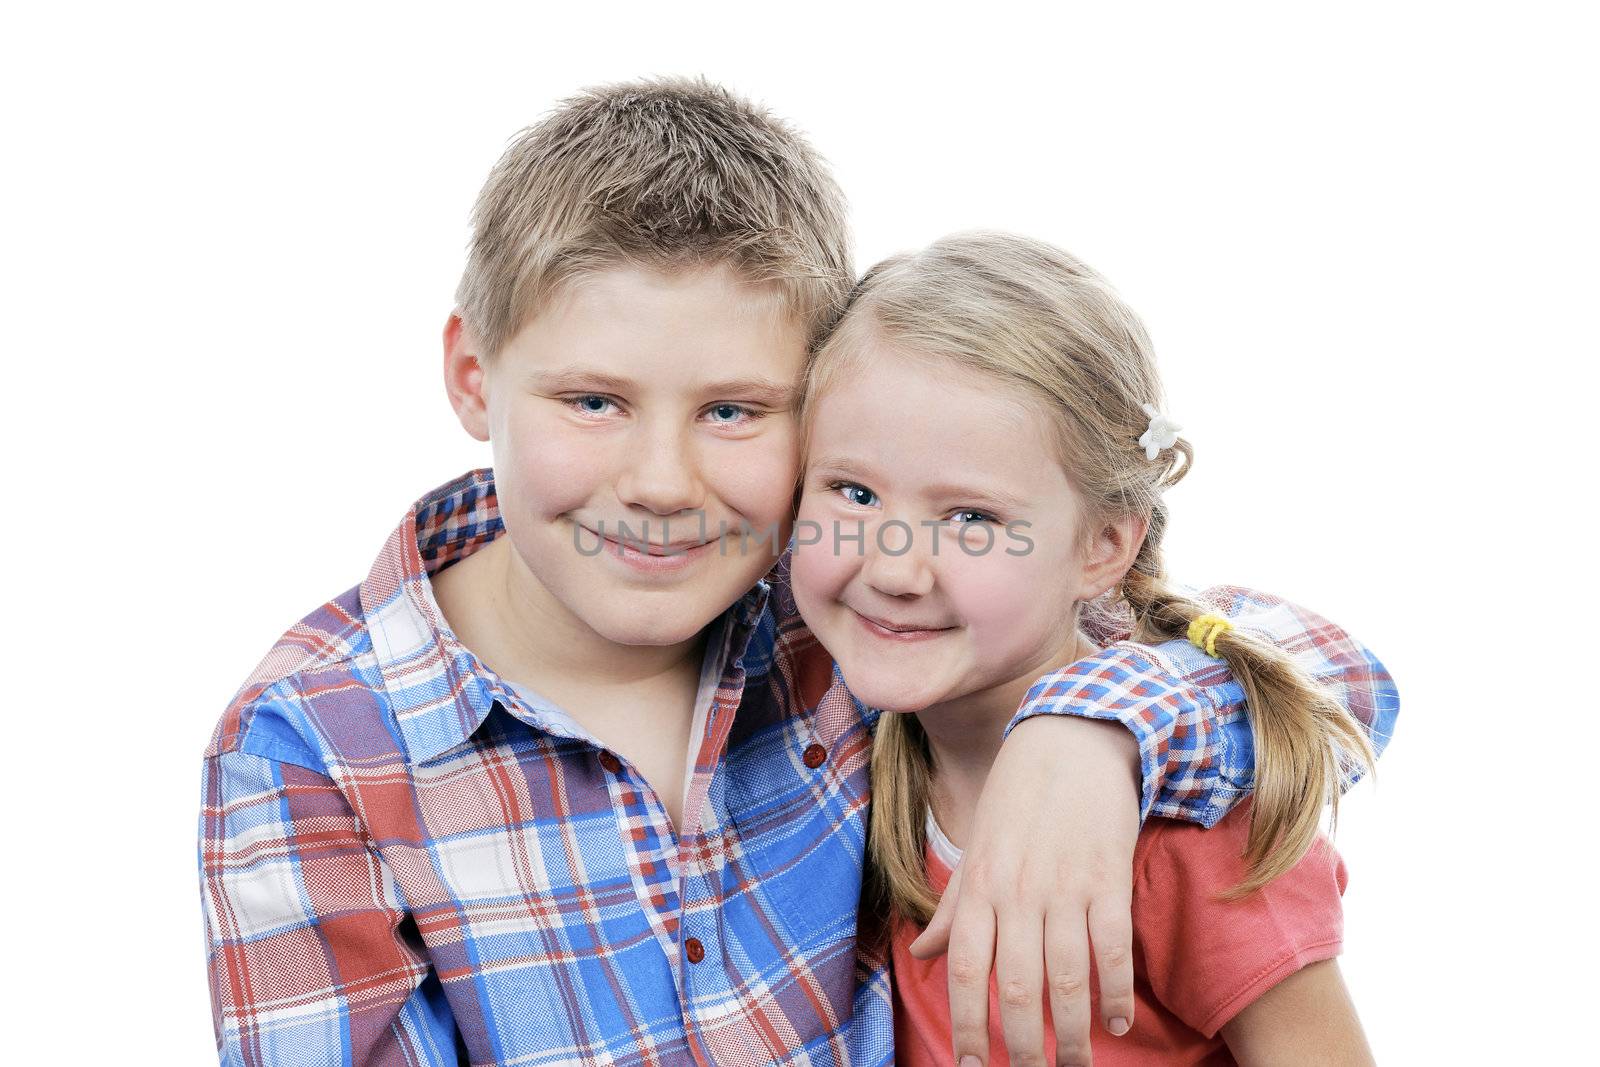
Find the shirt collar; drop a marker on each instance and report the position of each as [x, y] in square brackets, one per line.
[438, 691]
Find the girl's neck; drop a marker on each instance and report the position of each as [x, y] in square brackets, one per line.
[964, 737]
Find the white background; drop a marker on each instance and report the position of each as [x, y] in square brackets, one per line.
[1364, 239]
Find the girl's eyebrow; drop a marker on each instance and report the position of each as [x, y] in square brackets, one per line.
[839, 465]
[987, 498]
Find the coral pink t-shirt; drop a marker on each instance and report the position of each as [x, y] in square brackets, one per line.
[1197, 960]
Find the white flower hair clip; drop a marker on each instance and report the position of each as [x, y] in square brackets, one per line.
[1161, 433]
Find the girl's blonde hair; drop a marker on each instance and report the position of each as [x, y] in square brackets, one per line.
[1036, 321]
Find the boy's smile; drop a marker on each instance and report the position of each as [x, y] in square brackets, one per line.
[639, 423]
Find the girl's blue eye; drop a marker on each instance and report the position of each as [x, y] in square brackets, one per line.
[968, 515]
[859, 495]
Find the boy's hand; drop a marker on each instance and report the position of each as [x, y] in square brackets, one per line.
[1049, 873]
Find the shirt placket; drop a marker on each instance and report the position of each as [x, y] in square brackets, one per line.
[651, 847]
[697, 964]
[660, 858]
[662, 862]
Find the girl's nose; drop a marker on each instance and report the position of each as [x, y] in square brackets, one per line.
[893, 563]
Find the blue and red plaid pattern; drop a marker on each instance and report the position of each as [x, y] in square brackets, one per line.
[404, 861]
[1195, 741]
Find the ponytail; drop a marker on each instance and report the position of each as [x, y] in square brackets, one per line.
[1306, 743]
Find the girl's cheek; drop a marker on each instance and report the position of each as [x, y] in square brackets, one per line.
[818, 571]
[810, 509]
[1006, 602]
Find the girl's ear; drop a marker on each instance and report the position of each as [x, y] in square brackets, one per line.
[1110, 553]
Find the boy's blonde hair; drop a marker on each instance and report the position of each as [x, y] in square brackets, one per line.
[1037, 322]
[667, 173]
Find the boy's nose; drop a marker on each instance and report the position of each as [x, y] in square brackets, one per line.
[661, 477]
[890, 570]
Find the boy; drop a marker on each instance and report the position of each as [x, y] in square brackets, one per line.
[557, 782]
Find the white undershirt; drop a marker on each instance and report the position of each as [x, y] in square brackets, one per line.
[942, 846]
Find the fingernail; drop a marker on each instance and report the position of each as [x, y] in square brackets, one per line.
[1118, 1026]
[971, 1061]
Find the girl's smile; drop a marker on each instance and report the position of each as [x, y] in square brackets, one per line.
[892, 631]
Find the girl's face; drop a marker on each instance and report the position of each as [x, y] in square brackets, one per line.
[936, 552]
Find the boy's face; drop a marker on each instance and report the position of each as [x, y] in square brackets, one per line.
[644, 407]
[966, 607]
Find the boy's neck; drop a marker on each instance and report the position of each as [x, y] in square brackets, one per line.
[637, 700]
[965, 735]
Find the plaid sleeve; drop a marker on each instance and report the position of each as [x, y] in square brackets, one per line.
[310, 954]
[1196, 749]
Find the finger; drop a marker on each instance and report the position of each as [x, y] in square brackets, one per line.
[971, 954]
[1066, 952]
[936, 938]
[1111, 936]
[1019, 974]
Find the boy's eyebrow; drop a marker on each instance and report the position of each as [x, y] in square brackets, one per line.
[578, 378]
[773, 394]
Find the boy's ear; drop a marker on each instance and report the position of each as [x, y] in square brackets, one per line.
[464, 378]
[1111, 552]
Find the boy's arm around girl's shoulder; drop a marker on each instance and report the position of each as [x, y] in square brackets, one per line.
[1196, 749]
[310, 948]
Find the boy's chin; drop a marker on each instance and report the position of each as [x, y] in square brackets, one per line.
[656, 631]
[652, 623]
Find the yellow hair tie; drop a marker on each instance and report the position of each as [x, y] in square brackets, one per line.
[1205, 630]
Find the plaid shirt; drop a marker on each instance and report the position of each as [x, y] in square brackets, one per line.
[403, 861]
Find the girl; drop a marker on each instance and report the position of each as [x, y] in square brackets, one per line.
[983, 426]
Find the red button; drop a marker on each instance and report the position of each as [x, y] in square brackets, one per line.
[694, 950]
[610, 762]
[814, 756]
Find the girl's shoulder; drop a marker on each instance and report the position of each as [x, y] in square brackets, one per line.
[1206, 953]
[1172, 850]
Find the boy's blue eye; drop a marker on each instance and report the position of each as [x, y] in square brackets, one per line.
[859, 495]
[728, 414]
[591, 403]
[968, 515]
